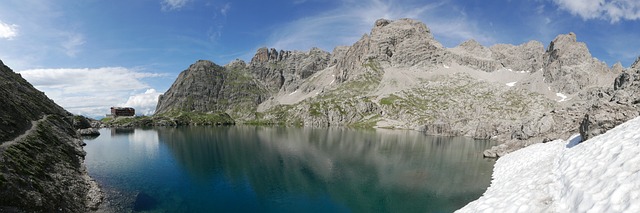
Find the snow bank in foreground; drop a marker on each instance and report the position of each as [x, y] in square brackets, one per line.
[599, 175]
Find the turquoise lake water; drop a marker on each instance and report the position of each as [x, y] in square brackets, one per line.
[277, 169]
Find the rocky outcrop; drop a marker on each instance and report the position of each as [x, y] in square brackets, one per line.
[622, 105]
[41, 158]
[604, 116]
[472, 54]
[89, 132]
[208, 88]
[285, 70]
[400, 43]
[569, 67]
[525, 57]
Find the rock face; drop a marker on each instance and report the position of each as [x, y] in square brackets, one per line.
[399, 76]
[616, 107]
[285, 70]
[404, 42]
[207, 87]
[524, 57]
[569, 67]
[41, 158]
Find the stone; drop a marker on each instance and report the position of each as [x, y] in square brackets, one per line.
[605, 116]
[89, 132]
[623, 80]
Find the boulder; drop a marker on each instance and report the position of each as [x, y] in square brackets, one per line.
[89, 132]
[602, 117]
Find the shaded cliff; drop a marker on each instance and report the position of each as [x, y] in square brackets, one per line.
[209, 88]
[41, 158]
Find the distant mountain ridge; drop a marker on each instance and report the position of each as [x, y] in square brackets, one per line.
[399, 76]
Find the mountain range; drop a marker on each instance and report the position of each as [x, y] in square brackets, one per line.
[398, 76]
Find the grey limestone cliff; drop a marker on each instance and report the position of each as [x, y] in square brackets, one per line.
[615, 106]
[285, 70]
[570, 68]
[41, 158]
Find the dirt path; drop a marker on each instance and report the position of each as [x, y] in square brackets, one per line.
[34, 126]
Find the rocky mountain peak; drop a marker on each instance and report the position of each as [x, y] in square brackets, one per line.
[636, 64]
[236, 64]
[471, 44]
[264, 55]
[569, 67]
[567, 49]
[617, 67]
[401, 43]
[400, 30]
[201, 65]
[473, 48]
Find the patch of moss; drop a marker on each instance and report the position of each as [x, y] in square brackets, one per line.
[389, 100]
[367, 123]
[197, 118]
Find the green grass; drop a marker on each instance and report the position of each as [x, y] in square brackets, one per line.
[366, 123]
[196, 118]
[389, 100]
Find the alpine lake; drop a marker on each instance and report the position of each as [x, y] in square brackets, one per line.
[285, 169]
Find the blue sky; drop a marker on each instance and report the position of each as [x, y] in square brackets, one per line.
[88, 55]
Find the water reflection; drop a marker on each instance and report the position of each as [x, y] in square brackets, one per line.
[366, 171]
[122, 131]
[145, 141]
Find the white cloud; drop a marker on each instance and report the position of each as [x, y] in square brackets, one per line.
[72, 44]
[144, 103]
[612, 10]
[346, 24]
[168, 5]
[225, 9]
[8, 31]
[87, 91]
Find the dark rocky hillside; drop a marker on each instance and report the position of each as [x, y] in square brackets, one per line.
[41, 157]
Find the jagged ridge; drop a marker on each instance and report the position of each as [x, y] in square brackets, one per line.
[399, 76]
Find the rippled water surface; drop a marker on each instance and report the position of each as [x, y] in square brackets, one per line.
[276, 169]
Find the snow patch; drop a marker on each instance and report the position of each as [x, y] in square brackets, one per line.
[334, 79]
[562, 97]
[599, 175]
[510, 84]
[445, 66]
[294, 92]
